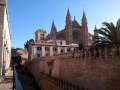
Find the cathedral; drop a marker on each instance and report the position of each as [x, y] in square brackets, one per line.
[73, 31]
[60, 42]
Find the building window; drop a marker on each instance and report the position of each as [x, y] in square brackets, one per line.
[60, 43]
[46, 48]
[74, 49]
[54, 49]
[61, 51]
[38, 55]
[39, 48]
[68, 49]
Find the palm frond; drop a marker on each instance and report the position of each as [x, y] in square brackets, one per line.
[108, 34]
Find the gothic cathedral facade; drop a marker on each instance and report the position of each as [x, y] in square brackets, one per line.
[73, 31]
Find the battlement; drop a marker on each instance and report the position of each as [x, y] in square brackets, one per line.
[95, 68]
[93, 53]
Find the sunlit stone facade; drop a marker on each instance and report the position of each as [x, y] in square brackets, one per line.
[41, 47]
[5, 38]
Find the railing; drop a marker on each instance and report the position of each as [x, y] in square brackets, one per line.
[63, 84]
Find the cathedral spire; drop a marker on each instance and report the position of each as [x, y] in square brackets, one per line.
[95, 28]
[95, 31]
[69, 36]
[68, 17]
[84, 30]
[53, 32]
[53, 26]
[95, 34]
[68, 12]
[84, 19]
[74, 18]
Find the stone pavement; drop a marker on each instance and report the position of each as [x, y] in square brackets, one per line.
[7, 83]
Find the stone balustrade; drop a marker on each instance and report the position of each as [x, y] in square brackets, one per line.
[91, 53]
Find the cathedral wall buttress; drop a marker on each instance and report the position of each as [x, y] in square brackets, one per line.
[84, 35]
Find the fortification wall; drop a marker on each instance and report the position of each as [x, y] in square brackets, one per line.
[92, 72]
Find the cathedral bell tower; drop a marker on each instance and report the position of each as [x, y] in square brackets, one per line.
[68, 27]
[84, 30]
[40, 35]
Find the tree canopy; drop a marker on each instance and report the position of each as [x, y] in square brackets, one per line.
[109, 34]
[27, 43]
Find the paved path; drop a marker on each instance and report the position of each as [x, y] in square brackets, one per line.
[24, 77]
[7, 83]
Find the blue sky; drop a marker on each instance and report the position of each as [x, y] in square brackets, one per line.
[26, 16]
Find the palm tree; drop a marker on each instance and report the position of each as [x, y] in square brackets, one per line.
[109, 34]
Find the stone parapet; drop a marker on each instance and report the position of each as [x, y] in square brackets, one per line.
[95, 69]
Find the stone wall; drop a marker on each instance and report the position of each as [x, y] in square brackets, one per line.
[92, 72]
[46, 83]
[5, 38]
[1, 34]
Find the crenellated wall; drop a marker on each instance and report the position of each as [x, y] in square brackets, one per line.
[95, 69]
